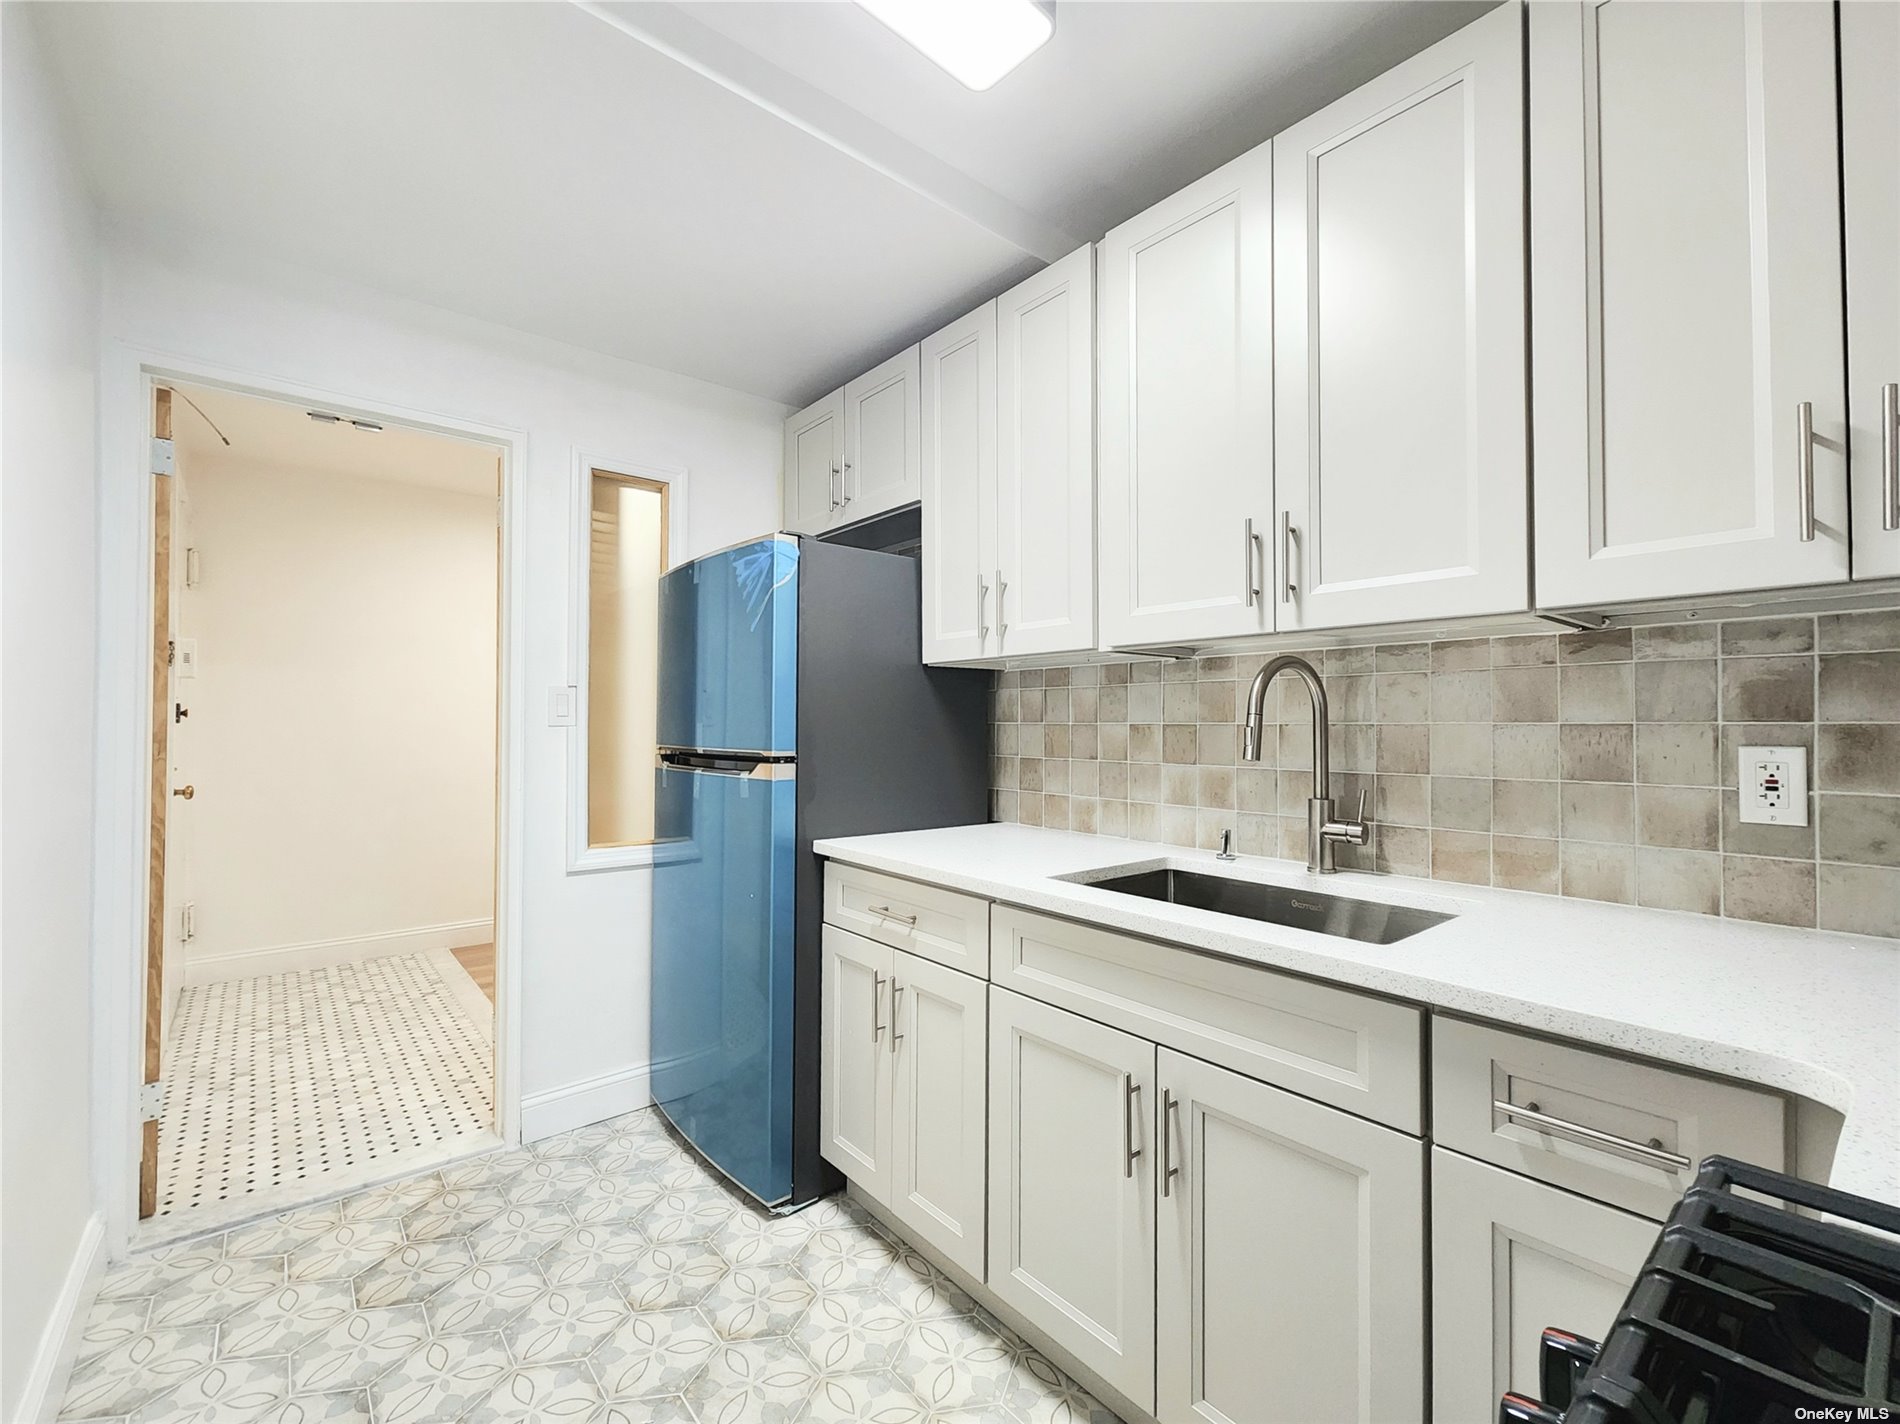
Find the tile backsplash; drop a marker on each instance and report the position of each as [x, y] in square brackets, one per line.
[1600, 764]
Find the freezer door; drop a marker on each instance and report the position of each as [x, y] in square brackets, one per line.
[721, 1006]
[729, 650]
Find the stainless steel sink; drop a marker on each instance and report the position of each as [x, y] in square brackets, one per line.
[1364, 920]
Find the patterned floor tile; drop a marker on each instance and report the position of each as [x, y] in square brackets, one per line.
[552, 1392]
[134, 1374]
[876, 1397]
[111, 1323]
[846, 1331]
[565, 1323]
[216, 1294]
[688, 1213]
[752, 1301]
[922, 1291]
[667, 1277]
[484, 1298]
[453, 1211]
[344, 1251]
[591, 1253]
[519, 1233]
[656, 1353]
[346, 1408]
[667, 1409]
[224, 1392]
[412, 1273]
[752, 1382]
[440, 1380]
[751, 1237]
[289, 1318]
[954, 1362]
[358, 1349]
[846, 1257]
[611, 1201]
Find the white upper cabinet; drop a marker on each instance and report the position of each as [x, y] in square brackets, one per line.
[1185, 413]
[881, 448]
[814, 466]
[1686, 290]
[1870, 148]
[1045, 460]
[960, 563]
[1399, 342]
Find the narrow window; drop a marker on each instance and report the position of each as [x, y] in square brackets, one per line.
[626, 556]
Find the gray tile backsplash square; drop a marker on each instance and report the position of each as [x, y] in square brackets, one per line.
[1600, 765]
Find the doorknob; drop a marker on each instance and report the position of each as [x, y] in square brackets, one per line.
[185, 791]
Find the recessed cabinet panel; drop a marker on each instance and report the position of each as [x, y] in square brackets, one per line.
[882, 449]
[1072, 1226]
[1399, 342]
[939, 1109]
[1186, 412]
[1685, 196]
[1045, 332]
[960, 564]
[1870, 152]
[1291, 1246]
[1509, 1257]
[855, 1080]
[814, 465]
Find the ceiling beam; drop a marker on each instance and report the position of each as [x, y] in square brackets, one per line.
[729, 64]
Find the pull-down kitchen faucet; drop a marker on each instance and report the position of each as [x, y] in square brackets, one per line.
[1322, 831]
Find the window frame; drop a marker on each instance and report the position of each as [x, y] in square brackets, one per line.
[671, 484]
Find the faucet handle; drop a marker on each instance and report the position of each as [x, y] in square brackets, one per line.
[1362, 818]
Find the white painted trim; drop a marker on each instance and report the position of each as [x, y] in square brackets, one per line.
[581, 857]
[590, 1100]
[323, 953]
[59, 1341]
[127, 373]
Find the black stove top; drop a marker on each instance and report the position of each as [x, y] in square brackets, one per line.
[1758, 1305]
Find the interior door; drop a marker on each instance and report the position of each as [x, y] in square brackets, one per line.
[1185, 412]
[960, 570]
[1045, 459]
[1399, 342]
[882, 444]
[1686, 274]
[1511, 1257]
[854, 1112]
[1072, 1226]
[814, 466]
[1870, 153]
[1291, 1250]
[939, 1111]
[161, 789]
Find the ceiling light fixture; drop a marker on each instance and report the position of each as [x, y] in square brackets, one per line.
[976, 41]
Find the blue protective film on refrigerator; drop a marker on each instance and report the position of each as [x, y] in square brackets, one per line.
[729, 650]
[722, 970]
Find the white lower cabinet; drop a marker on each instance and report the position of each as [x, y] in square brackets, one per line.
[939, 1098]
[902, 1095]
[1291, 1257]
[1511, 1256]
[1072, 1204]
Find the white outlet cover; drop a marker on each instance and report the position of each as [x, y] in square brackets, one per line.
[561, 706]
[1774, 785]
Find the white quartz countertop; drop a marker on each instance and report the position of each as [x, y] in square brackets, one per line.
[1810, 1014]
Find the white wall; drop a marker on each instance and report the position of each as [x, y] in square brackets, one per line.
[583, 953]
[341, 737]
[49, 277]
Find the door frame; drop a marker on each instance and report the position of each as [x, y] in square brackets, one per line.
[122, 791]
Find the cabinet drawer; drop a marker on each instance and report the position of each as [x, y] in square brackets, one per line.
[1623, 1132]
[938, 924]
[1351, 1050]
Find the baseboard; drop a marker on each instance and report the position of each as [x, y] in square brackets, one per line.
[59, 1341]
[324, 953]
[592, 1099]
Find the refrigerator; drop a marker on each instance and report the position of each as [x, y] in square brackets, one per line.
[793, 705]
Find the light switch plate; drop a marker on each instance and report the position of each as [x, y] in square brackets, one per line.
[1774, 785]
[561, 704]
[185, 657]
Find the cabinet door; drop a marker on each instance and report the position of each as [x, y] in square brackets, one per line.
[1045, 364]
[1686, 276]
[959, 488]
[1399, 382]
[1185, 454]
[939, 1112]
[1510, 1257]
[854, 1105]
[814, 465]
[1291, 1257]
[881, 445]
[1870, 149]
[1072, 1242]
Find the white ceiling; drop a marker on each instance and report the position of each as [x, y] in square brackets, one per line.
[270, 437]
[770, 196]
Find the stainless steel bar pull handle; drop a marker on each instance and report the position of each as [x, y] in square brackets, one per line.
[1287, 535]
[1131, 1091]
[896, 1034]
[1002, 627]
[1804, 436]
[835, 501]
[1169, 1104]
[982, 603]
[846, 482]
[1650, 1154]
[877, 1010]
[1890, 455]
[887, 913]
[1250, 549]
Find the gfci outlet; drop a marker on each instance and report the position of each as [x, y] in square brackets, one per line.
[1774, 785]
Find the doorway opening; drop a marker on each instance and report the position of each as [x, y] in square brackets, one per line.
[320, 971]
